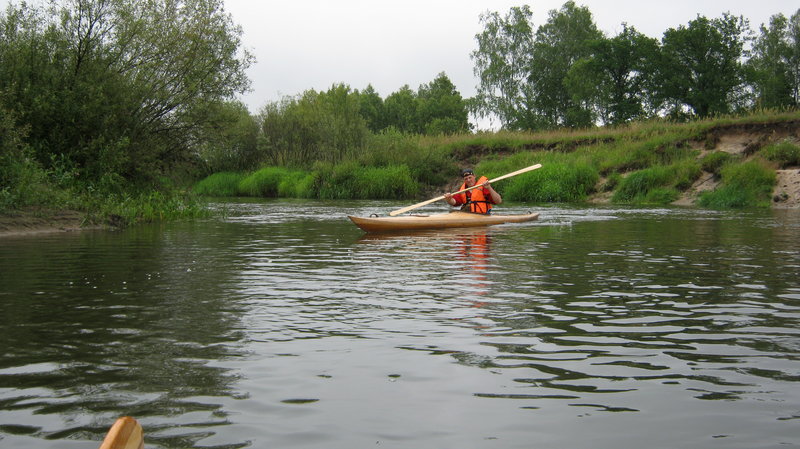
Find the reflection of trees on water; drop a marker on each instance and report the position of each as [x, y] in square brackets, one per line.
[136, 330]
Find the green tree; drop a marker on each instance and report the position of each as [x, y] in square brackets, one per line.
[565, 39]
[701, 66]
[115, 87]
[794, 56]
[776, 52]
[401, 110]
[315, 126]
[502, 65]
[616, 78]
[344, 131]
[372, 109]
[228, 139]
[441, 110]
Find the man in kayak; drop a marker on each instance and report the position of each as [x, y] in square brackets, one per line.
[479, 199]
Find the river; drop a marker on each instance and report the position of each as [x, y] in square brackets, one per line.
[282, 325]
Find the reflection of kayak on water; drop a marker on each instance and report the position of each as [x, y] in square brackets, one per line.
[439, 221]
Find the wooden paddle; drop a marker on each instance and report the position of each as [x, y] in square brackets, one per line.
[126, 433]
[414, 206]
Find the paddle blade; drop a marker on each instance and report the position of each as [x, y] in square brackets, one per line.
[126, 433]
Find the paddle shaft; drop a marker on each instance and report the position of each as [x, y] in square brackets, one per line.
[433, 200]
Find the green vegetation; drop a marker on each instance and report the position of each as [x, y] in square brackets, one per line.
[660, 184]
[116, 107]
[713, 162]
[566, 73]
[784, 153]
[642, 163]
[743, 185]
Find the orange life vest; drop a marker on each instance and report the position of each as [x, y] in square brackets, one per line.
[476, 200]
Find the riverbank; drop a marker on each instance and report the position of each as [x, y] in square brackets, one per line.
[34, 222]
[30, 222]
[614, 155]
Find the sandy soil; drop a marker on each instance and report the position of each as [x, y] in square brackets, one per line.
[34, 221]
[787, 189]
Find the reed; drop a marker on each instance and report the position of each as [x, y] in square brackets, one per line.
[352, 181]
[219, 184]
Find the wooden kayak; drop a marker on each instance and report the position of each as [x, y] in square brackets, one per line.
[126, 433]
[455, 219]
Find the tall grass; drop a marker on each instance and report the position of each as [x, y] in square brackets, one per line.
[352, 181]
[564, 177]
[746, 184]
[277, 182]
[219, 184]
[784, 153]
[713, 162]
[659, 184]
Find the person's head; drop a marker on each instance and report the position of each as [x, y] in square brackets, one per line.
[469, 176]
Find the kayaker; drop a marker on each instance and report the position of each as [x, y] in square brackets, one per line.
[479, 199]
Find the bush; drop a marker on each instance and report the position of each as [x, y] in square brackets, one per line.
[23, 180]
[785, 153]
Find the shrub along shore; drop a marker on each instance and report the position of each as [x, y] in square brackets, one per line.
[650, 163]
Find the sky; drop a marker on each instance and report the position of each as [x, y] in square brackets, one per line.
[314, 44]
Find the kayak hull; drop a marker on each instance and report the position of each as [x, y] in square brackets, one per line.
[439, 221]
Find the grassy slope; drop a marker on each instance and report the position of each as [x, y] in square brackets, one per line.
[726, 162]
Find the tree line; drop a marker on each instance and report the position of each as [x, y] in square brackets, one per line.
[337, 124]
[106, 93]
[567, 73]
[113, 95]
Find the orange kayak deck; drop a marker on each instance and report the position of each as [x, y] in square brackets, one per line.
[456, 219]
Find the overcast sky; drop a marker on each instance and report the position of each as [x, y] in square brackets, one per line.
[313, 44]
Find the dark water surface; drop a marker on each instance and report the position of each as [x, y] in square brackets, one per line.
[284, 326]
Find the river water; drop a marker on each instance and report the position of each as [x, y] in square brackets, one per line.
[282, 325]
